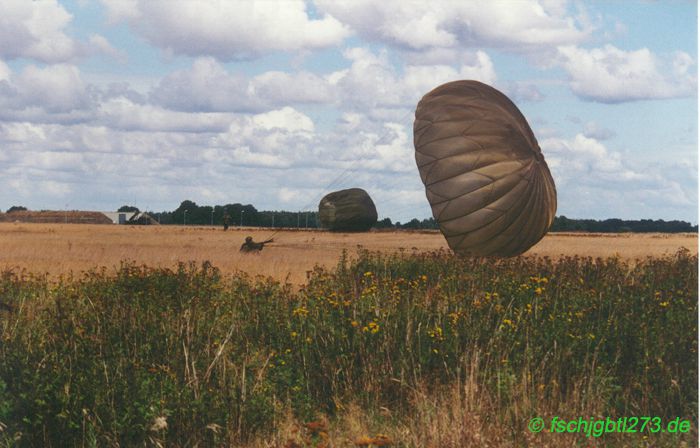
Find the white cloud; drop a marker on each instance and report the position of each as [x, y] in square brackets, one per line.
[279, 138]
[278, 87]
[593, 130]
[208, 86]
[370, 83]
[422, 79]
[522, 91]
[278, 133]
[35, 29]
[227, 30]
[286, 119]
[121, 113]
[611, 75]
[418, 25]
[5, 72]
[595, 182]
[584, 159]
[291, 195]
[100, 45]
[373, 82]
[118, 10]
[54, 88]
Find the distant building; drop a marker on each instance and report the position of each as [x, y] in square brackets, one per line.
[142, 218]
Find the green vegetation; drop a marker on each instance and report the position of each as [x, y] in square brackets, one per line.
[235, 214]
[16, 208]
[564, 224]
[428, 349]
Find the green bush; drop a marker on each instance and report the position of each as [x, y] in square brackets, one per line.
[188, 356]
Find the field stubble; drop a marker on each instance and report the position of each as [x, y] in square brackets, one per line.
[408, 349]
[399, 342]
[59, 249]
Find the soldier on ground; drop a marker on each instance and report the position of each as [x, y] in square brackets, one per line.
[251, 246]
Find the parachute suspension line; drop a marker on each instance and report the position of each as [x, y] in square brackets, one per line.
[344, 175]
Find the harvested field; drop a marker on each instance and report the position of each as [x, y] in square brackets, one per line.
[63, 248]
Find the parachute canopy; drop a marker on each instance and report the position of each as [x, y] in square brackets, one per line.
[349, 210]
[485, 177]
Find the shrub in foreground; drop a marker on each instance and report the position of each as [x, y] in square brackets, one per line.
[407, 343]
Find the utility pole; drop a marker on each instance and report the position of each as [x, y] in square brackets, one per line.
[184, 219]
[242, 211]
[212, 217]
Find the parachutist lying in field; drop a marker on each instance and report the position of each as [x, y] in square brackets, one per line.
[251, 246]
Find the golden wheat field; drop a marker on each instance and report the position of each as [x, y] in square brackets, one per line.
[59, 249]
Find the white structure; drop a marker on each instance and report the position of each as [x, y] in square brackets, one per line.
[130, 217]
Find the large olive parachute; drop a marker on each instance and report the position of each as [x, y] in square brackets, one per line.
[350, 210]
[485, 177]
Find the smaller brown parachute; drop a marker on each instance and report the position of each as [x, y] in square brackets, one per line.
[485, 177]
[350, 210]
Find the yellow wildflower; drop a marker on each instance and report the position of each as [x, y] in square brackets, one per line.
[436, 333]
[301, 311]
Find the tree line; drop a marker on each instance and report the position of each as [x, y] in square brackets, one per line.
[614, 225]
[188, 212]
[247, 215]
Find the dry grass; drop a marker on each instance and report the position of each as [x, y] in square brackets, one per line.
[60, 249]
[465, 351]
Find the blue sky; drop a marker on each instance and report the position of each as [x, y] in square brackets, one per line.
[276, 103]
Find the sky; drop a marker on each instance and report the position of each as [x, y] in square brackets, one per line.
[105, 103]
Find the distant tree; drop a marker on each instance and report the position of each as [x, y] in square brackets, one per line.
[412, 224]
[384, 224]
[128, 208]
[429, 223]
[564, 224]
[16, 208]
[185, 212]
[205, 214]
